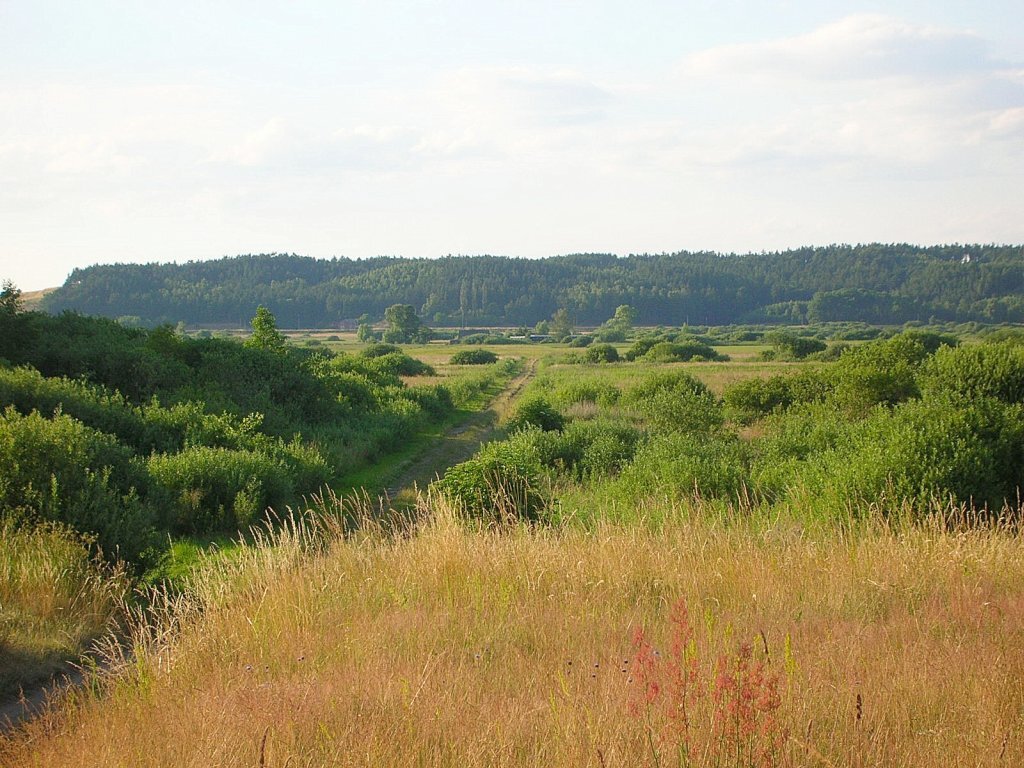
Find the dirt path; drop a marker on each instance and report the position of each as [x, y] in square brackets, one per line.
[33, 702]
[459, 443]
[456, 445]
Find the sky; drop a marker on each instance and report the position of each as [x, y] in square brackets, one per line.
[176, 131]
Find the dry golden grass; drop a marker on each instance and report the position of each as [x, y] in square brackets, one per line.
[54, 600]
[453, 646]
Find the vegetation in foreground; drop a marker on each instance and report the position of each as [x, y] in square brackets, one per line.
[874, 643]
[55, 600]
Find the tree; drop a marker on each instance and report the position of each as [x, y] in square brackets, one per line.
[366, 333]
[624, 317]
[11, 302]
[264, 332]
[561, 325]
[406, 325]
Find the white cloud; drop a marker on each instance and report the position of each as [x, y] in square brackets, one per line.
[856, 47]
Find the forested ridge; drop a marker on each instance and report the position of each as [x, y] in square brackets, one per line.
[875, 283]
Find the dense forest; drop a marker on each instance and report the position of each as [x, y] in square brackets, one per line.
[871, 283]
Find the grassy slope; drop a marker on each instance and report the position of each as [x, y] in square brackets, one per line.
[456, 646]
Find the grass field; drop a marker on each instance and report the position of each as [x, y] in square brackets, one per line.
[872, 645]
[638, 625]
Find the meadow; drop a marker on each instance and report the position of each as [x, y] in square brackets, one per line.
[699, 639]
[747, 562]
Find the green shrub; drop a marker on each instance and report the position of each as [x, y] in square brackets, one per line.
[641, 347]
[674, 401]
[379, 350]
[219, 489]
[582, 341]
[400, 364]
[601, 353]
[789, 346]
[682, 465]
[923, 450]
[792, 437]
[753, 399]
[473, 357]
[980, 370]
[504, 481]
[682, 352]
[60, 470]
[882, 372]
[536, 412]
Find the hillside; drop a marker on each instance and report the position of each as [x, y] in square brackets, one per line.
[871, 283]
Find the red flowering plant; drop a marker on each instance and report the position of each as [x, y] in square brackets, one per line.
[721, 715]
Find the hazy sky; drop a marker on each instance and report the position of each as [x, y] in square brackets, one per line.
[142, 131]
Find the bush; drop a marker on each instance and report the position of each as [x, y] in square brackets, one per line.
[536, 412]
[789, 346]
[219, 489]
[677, 402]
[379, 350]
[752, 399]
[60, 470]
[981, 370]
[601, 353]
[503, 482]
[641, 347]
[925, 450]
[882, 372]
[585, 448]
[682, 352]
[683, 465]
[581, 341]
[473, 357]
[400, 364]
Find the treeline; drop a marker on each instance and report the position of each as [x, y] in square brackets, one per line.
[126, 435]
[874, 283]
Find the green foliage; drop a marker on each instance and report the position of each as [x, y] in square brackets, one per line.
[219, 489]
[473, 357]
[406, 326]
[601, 353]
[674, 401]
[586, 449]
[751, 399]
[59, 470]
[264, 332]
[681, 352]
[875, 283]
[561, 324]
[503, 481]
[379, 350]
[976, 371]
[789, 346]
[923, 450]
[681, 465]
[366, 333]
[174, 407]
[581, 341]
[401, 364]
[536, 412]
[882, 372]
[11, 302]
